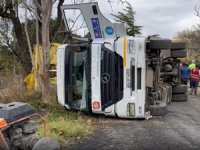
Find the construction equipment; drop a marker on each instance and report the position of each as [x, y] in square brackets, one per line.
[29, 79]
[18, 130]
[112, 73]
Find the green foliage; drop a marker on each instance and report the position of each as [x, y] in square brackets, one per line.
[62, 125]
[6, 60]
[127, 17]
[61, 35]
[59, 38]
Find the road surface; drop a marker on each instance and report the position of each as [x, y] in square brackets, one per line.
[178, 130]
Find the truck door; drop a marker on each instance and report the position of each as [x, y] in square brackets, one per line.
[98, 26]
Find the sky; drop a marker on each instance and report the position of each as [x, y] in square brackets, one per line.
[163, 17]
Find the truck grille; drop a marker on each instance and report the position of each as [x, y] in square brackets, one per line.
[111, 77]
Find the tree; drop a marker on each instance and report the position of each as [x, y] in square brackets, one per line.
[192, 39]
[42, 14]
[127, 17]
[8, 11]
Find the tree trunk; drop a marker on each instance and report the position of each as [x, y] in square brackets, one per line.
[59, 20]
[34, 63]
[21, 49]
[38, 55]
[46, 6]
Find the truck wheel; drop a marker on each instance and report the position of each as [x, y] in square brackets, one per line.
[158, 109]
[158, 44]
[179, 97]
[180, 89]
[178, 53]
[178, 46]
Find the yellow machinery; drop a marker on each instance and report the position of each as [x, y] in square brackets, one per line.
[29, 80]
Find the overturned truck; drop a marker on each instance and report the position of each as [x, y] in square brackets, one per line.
[115, 74]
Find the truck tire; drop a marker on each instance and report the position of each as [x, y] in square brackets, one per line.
[158, 109]
[158, 44]
[178, 46]
[179, 97]
[180, 89]
[178, 53]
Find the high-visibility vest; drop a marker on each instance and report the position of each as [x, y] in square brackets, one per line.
[195, 74]
[192, 66]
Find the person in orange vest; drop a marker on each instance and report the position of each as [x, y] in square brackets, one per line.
[194, 77]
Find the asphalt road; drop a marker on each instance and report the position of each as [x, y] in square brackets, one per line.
[178, 130]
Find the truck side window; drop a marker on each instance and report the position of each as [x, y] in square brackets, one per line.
[133, 78]
[139, 78]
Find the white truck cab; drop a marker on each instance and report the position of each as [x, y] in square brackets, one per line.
[111, 73]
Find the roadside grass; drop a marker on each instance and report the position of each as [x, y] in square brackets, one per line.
[62, 125]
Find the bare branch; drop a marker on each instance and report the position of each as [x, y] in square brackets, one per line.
[197, 11]
[27, 36]
[75, 21]
[32, 10]
[81, 27]
[123, 1]
[38, 5]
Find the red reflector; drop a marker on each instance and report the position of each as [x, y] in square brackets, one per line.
[96, 105]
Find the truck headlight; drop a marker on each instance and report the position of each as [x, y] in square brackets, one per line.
[131, 109]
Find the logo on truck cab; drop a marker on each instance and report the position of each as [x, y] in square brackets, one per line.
[105, 78]
[109, 30]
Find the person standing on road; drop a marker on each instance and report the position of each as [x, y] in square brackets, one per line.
[194, 77]
[192, 66]
[185, 74]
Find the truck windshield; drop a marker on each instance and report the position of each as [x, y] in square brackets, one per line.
[78, 79]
